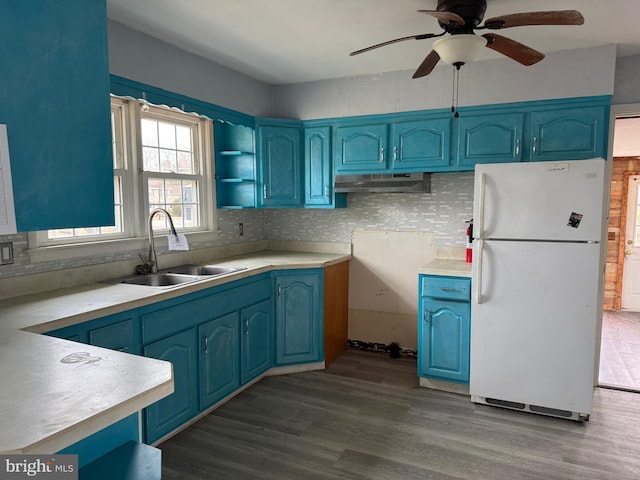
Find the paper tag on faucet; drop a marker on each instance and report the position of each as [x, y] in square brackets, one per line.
[178, 242]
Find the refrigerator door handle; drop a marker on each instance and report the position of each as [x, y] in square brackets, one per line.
[479, 272]
[481, 206]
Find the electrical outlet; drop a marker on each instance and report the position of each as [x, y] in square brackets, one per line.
[241, 228]
[6, 253]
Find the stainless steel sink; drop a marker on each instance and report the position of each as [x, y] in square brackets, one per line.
[208, 270]
[160, 279]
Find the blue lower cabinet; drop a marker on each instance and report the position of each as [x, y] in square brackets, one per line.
[257, 340]
[444, 328]
[299, 317]
[118, 336]
[219, 359]
[445, 340]
[116, 332]
[172, 411]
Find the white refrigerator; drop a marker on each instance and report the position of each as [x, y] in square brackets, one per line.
[538, 273]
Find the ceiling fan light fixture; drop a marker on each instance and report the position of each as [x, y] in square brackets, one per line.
[459, 49]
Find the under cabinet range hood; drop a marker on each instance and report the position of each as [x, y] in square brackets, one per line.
[384, 183]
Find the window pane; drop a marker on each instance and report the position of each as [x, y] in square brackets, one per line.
[168, 161]
[167, 135]
[185, 163]
[149, 132]
[183, 137]
[150, 159]
[178, 197]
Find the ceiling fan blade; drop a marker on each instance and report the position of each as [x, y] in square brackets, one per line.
[427, 65]
[444, 17]
[555, 17]
[396, 40]
[512, 49]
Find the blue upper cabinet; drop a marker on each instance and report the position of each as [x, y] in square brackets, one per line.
[361, 148]
[421, 145]
[318, 171]
[55, 102]
[490, 138]
[280, 164]
[569, 133]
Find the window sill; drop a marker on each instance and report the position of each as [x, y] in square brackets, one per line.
[122, 246]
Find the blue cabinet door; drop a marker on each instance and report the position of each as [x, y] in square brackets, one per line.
[55, 103]
[489, 138]
[318, 175]
[257, 340]
[361, 148]
[421, 145]
[444, 336]
[172, 411]
[219, 359]
[570, 134]
[281, 173]
[299, 315]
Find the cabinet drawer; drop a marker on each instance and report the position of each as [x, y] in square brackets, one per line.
[453, 288]
[118, 336]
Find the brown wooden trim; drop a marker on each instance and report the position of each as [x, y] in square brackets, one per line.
[336, 310]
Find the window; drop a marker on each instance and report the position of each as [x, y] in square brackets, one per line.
[161, 158]
[171, 171]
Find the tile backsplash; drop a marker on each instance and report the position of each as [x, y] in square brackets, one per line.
[443, 212]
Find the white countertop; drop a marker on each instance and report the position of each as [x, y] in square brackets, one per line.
[47, 404]
[447, 267]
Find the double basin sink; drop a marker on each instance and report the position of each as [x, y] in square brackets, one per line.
[179, 275]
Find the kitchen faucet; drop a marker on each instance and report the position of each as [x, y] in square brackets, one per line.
[152, 264]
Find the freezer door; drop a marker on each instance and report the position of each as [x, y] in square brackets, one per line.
[533, 323]
[540, 201]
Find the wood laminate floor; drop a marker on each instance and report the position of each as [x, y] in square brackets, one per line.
[620, 350]
[364, 417]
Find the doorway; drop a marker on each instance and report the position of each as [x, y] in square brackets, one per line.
[620, 345]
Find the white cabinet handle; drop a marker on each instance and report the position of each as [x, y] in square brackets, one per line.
[206, 344]
[381, 154]
[264, 191]
[395, 154]
[517, 147]
[535, 144]
[246, 326]
[326, 191]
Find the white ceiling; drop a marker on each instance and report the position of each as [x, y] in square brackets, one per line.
[291, 41]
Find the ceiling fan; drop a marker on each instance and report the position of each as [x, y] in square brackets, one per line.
[460, 18]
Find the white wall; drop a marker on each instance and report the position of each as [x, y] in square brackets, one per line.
[627, 84]
[139, 57]
[575, 73]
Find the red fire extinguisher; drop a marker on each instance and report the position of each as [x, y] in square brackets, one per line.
[469, 240]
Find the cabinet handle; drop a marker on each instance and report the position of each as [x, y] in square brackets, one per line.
[426, 316]
[449, 289]
[123, 349]
[535, 144]
[246, 326]
[206, 344]
[279, 289]
[264, 191]
[517, 147]
[479, 272]
[326, 191]
[395, 154]
[381, 154]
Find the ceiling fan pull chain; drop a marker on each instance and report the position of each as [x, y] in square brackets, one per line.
[455, 88]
